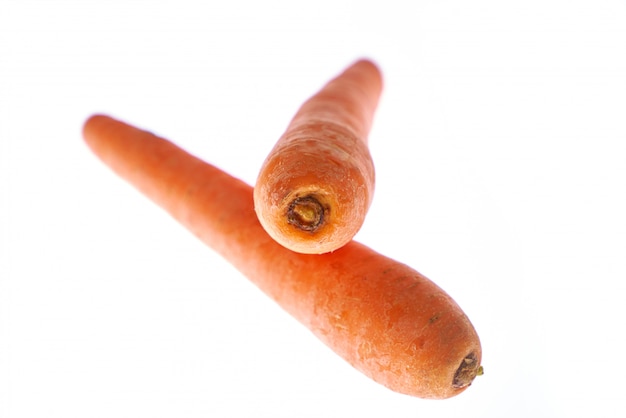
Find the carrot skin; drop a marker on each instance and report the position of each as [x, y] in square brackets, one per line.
[323, 158]
[383, 317]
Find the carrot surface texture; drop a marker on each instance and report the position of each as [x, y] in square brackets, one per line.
[383, 317]
[315, 187]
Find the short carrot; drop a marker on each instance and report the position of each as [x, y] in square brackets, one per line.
[315, 187]
[383, 317]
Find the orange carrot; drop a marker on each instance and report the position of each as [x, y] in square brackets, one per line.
[386, 319]
[316, 185]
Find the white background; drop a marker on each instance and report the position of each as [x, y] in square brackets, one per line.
[500, 148]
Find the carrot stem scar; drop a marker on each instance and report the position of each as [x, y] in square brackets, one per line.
[306, 213]
[467, 371]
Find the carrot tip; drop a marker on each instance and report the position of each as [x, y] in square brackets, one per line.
[306, 213]
[467, 371]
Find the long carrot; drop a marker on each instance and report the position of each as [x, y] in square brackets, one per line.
[387, 320]
[316, 185]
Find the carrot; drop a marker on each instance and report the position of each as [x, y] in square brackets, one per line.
[316, 185]
[383, 317]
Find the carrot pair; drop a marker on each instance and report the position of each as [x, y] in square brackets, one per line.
[383, 317]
